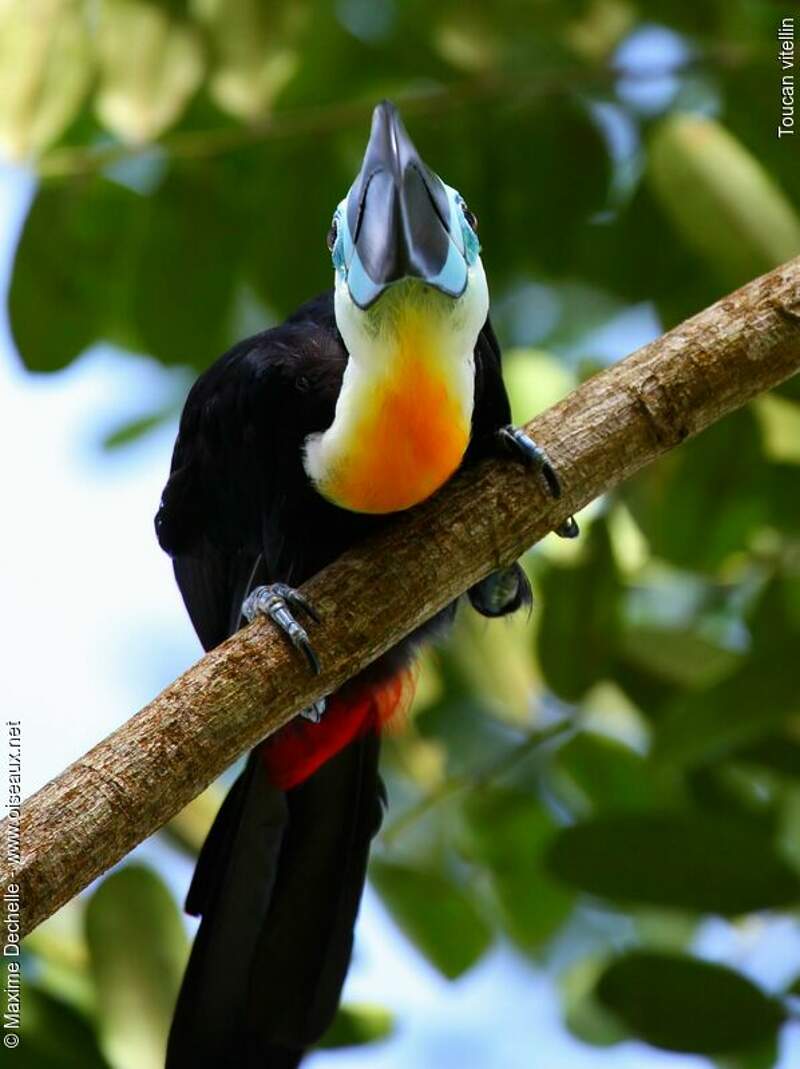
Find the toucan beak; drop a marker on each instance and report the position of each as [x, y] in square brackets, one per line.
[399, 216]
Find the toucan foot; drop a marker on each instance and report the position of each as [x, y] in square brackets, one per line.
[314, 712]
[279, 601]
[569, 528]
[516, 441]
[502, 592]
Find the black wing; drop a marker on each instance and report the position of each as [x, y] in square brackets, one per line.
[492, 410]
[238, 508]
[279, 880]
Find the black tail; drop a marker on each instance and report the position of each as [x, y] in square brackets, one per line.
[278, 884]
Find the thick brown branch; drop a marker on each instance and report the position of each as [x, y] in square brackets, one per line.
[141, 775]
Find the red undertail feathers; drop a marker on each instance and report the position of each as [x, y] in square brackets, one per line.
[298, 749]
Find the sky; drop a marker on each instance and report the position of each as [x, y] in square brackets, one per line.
[92, 627]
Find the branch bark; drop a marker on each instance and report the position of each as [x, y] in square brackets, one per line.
[135, 780]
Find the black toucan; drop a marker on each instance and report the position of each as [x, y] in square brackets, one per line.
[292, 446]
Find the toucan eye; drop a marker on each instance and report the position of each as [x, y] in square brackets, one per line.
[470, 216]
[333, 232]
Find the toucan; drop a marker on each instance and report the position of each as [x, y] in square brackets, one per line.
[292, 447]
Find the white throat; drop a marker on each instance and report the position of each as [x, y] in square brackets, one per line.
[404, 411]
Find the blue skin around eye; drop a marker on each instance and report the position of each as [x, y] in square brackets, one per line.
[471, 243]
[362, 289]
[462, 253]
[343, 246]
[452, 278]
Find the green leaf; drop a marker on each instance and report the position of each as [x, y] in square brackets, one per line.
[690, 860]
[651, 694]
[733, 792]
[608, 774]
[780, 753]
[762, 1055]
[535, 380]
[584, 1016]
[580, 618]
[563, 132]
[671, 500]
[790, 388]
[508, 832]
[749, 99]
[658, 270]
[780, 490]
[680, 655]
[439, 917]
[357, 1024]
[255, 52]
[595, 32]
[460, 716]
[59, 948]
[54, 1035]
[190, 826]
[138, 950]
[720, 198]
[683, 1004]
[780, 426]
[495, 664]
[187, 271]
[288, 261]
[133, 429]
[70, 261]
[707, 724]
[747, 705]
[469, 735]
[45, 70]
[150, 62]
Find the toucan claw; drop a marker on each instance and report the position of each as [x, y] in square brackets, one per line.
[516, 441]
[314, 712]
[569, 528]
[502, 592]
[277, 601]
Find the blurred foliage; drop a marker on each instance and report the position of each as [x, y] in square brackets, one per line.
[658, 995]
[135, 979]
[594, 783]
[436, 913]
[102, 976]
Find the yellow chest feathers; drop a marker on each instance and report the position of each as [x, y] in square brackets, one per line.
[401, 427]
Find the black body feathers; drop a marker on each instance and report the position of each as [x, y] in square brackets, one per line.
[280, 877]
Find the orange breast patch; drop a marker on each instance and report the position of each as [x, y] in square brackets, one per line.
[407, 441]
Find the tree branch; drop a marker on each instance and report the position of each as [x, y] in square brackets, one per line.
[127, 786]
